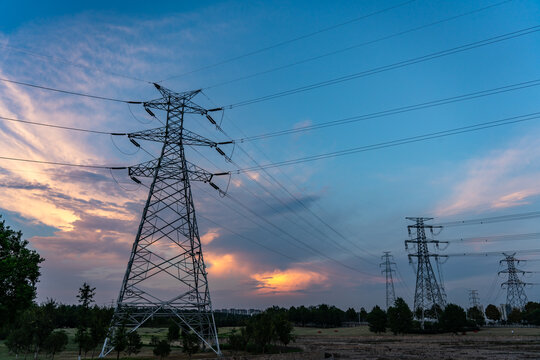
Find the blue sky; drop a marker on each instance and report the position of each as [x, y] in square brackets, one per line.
[83, 222]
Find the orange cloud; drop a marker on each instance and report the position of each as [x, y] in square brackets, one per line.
[210, 236]
[287, 281]
[225, 264]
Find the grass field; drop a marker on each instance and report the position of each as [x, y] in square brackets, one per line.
[362, 332]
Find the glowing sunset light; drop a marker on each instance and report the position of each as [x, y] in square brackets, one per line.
[287, 281]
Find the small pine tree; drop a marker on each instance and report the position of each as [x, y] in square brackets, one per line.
[56, 342]
[162, 349]
[400, 317]
[377, 320]
[190, 343]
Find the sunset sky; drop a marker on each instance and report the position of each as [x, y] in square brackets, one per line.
[348, 208]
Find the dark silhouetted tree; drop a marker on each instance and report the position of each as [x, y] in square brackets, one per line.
[476, 315]
[190, 343]
[493, 313]
[363, 314]
[453, 318]
[56, 342]
[119, 340]
[515, 316]
[377, 320]
[19, 274]
[134, 343]
[174, 332]
[400, 317]
[162, 349]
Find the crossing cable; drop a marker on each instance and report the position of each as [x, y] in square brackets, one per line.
[402, 141]
[289, 41]
[71, 63]
[295, 198]
[117, 168]
[492, 219]
[245, 207]
[362, 44]
[393, 66]
[398, 110]
[485, 239]
[64, 164]
[69, 92]
[310, 229]
[322, 236]
[312, 249]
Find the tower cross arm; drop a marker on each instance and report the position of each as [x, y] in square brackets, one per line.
[173, 170]
[186, 137]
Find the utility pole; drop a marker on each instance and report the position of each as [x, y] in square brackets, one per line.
[429, 293]
[387, 271]
[515, 288]
[166, 276]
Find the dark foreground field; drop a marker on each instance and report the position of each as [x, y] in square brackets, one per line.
[359, 343]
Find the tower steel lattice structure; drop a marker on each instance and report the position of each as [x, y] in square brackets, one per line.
[515, 287]
[387, 271]
[166, 275]
[429, 293]
[474, 299]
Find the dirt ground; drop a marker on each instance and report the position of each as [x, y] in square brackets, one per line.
[359, 343]
[492, 344]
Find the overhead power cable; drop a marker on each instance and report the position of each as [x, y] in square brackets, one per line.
[493, 219]
[498, 253]
[58, 126]
[395, 111]
[486, 239]
[63, 163]
[402, 141]
[69, 92]
[365, 43]
[298, 38]
[393, 66]
[295, 198]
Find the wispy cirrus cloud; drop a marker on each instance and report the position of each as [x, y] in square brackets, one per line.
[507, 177]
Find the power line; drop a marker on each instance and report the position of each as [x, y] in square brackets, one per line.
[493, 219]
[58, 126]
[498, 253]
[402, 141]
[69, 92]
[528, 236]
[365, 43]
[393, 66]
[298, 38]
[64, 164]
[398, 110]
[296, 199]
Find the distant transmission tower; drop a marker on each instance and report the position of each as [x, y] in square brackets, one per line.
[390, 294]
[474, 300]
[515, 288]
[166, 275]
[429, 294]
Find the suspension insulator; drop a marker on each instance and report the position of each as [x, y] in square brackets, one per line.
[135, 179]
[134, 142]
[149, 112]
[213, 185]
[210, 119]
[220, 151]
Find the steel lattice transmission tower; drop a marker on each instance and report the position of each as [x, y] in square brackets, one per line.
[387, 271]
[429, 293]
[474, 300]
[167, 256]
[515, 288]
